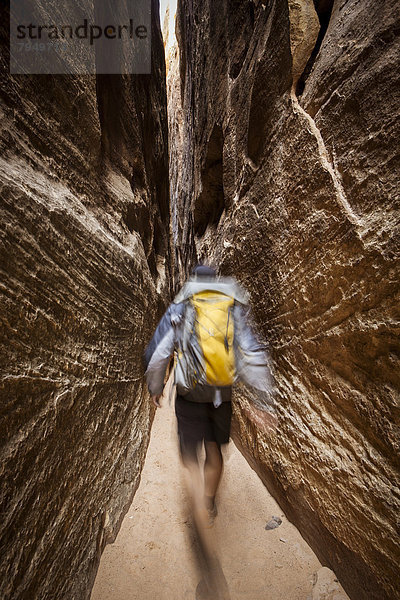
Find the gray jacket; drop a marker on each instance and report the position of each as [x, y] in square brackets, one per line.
[251, 358]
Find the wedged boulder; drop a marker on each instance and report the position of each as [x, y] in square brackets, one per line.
[85, 258]
[288, 183]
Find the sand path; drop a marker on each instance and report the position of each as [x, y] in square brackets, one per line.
[151, 558]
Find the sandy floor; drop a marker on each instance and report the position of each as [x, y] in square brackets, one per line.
[151, 558]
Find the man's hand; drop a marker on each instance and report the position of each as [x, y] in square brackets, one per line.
[156, 400]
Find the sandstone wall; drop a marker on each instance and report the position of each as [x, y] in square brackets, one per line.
[287, 180]
[85, 273]
[184, 246]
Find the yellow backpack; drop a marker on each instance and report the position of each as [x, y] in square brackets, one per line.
[214, 330]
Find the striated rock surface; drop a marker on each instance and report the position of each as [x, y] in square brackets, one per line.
[288, 180]
[184, 246]
[85, 274]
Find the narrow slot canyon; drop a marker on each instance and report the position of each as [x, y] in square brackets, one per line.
[263, 142]
[154, 554]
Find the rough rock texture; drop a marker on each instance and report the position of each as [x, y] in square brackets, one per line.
[184, 246]
[85, 273]
[288, 181]
[183, 252]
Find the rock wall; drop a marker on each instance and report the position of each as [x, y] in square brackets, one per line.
[287, 179]
[184, 246]
[85, 273]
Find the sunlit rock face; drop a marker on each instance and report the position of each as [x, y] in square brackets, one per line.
[85, 274]
[288, 167]
[184, 248]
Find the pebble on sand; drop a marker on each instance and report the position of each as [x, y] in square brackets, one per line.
[273, 523]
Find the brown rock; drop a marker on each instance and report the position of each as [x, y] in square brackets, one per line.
[181, 229]
[85, 260]
[295, 194]
[304, 30]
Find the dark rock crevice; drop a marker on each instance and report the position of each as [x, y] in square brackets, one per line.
[241, 16]
[210, 203]
[273, 65]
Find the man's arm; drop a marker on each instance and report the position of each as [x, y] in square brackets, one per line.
[159, 351]
[253, 363]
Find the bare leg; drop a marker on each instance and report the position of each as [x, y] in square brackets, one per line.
[213, 467]
[194, 485]
[213, 585]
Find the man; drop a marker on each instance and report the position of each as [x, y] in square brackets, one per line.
[207, 326]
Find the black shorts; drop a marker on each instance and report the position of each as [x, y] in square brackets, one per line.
[201, 421]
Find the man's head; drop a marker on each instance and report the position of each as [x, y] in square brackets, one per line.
[203, 272]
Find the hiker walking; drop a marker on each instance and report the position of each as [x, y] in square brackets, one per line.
[207, 326]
